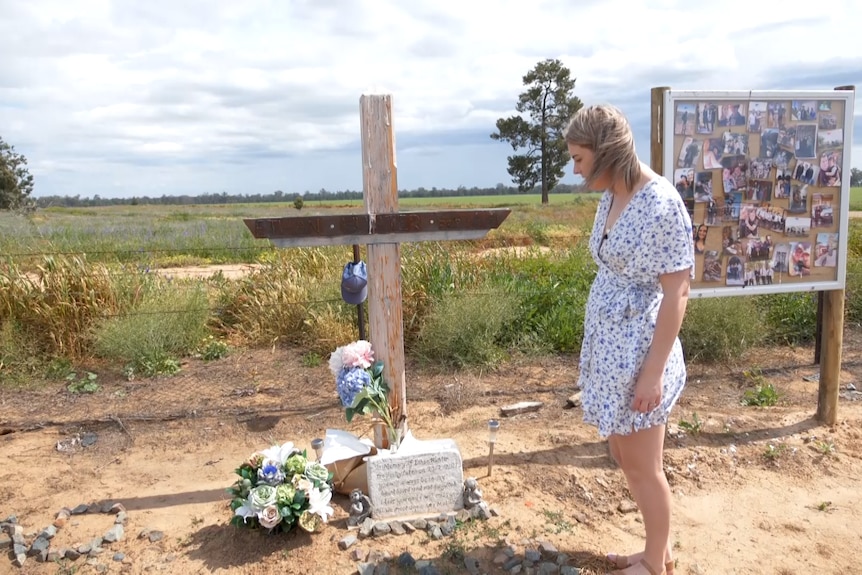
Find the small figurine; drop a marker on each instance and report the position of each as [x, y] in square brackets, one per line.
[360, 508]
[472, 493]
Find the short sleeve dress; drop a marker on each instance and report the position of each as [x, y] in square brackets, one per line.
[652, 236]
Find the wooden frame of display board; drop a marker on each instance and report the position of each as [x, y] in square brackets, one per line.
[761, 173]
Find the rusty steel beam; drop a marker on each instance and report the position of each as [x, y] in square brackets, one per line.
[396, 227]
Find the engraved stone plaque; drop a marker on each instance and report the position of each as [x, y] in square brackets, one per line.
[415, 484]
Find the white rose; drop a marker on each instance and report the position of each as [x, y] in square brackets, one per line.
[269, 516]
[261, 497]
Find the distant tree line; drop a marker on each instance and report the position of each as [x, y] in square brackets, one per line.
[280, 196]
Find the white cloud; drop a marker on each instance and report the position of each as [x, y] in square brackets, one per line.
[121, 98]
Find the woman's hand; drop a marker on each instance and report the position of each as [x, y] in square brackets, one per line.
[647, 390]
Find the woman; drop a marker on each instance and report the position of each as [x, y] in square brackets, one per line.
[700, 239]
[632, 370]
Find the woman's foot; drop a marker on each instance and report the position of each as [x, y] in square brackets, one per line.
[623, 561]
[640, 568]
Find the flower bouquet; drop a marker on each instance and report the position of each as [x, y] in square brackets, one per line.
[360, 385]
[279, 488]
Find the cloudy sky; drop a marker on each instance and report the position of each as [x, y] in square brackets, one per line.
[123, 97]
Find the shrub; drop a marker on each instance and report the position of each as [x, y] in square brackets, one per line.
[19, 360]
[58, 304]
[720, 328]
[266, 306]
[790, 318]
[464, 329]
[170, 321]
[430, 272]
[552, 292]
[853, 291]
[853, 284]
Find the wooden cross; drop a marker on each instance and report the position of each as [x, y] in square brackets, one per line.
[382, 228]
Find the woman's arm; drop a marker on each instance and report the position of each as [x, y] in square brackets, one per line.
[675, 286]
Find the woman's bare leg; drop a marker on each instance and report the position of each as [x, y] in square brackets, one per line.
[640, 457]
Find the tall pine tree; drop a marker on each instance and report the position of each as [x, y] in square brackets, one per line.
[544, 109]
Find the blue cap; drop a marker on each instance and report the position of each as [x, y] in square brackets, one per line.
[354, 283]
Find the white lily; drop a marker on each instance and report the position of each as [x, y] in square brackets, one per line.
[318, 503]
[279, 453]
[245, 511]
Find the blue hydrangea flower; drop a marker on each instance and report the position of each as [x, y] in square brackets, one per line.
[350, 382]
[270, 473]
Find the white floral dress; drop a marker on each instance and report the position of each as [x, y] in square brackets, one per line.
[652, 236]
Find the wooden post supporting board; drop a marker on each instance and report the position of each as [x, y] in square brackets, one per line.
[657, 111]
[831, 347]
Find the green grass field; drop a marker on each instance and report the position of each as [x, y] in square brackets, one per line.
[856, 199]
[165, 236]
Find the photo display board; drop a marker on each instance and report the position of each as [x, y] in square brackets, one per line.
[765, 177]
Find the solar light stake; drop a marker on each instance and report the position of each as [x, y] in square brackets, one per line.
[493, 426]
[317, 446]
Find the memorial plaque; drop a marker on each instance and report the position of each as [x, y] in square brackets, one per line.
[416, 484]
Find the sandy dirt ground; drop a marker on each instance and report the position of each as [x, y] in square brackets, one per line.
[756, 491]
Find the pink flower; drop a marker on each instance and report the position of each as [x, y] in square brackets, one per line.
[358, 354]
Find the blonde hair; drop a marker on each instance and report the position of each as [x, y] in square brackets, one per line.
[604, 130]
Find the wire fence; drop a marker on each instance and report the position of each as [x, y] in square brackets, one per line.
[206, 271]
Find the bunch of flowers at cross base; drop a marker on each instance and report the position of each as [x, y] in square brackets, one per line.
[360, 384]
[279, 488]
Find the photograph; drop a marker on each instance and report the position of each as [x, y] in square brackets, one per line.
[712, 152]
[734, 173]
[803, 110]
[684, 119]
[830, 139]
[703, 187]
[824, 105]
[770, 219]
[689, 153]
[700, 233]
[757, 248]
[798, 199]
[826, 250]
[706, 117]
[711, 266]
[712, 211]
[760, 169]
[731, 207]
[748, 224]
[787, 137]
[795, 226]
[757, 273]
[735, 143]
[806, 172]
[756, 116]
[689, 207]
[730, 115]
[783, 177]
[830, 170]
[785, 159]
[806, 141]
[828, 122]
[780, 258]
[729, 241]
[734, 276]
[822, 210]
[769, 143]
[776, 114]
[684, 180]
[759, 191]
[800, 259]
